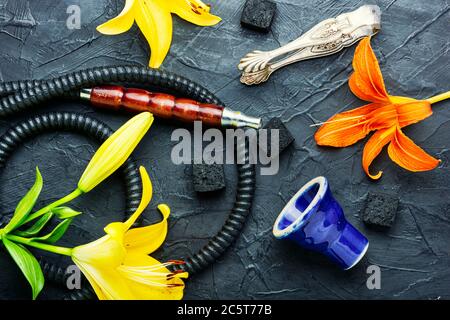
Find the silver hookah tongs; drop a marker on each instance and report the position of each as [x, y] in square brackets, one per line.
[327, 37]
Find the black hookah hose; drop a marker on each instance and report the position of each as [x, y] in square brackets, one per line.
[20, 96]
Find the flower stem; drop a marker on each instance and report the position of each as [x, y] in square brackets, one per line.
[76, 193]
[439, 97]
[43, 246]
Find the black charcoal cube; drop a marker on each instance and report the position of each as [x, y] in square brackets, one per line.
[285, 136]
[208, 177]
[258, 14]
[380, 210]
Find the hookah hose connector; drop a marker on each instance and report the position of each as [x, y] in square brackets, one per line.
[167, 106]
[236, 119]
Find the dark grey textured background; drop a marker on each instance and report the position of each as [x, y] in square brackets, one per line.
[413, 51]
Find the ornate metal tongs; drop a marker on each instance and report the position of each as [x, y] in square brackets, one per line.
[326, 38]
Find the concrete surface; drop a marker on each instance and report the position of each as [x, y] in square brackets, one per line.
[413, 50]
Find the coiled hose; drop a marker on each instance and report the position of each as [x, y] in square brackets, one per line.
[19, 96]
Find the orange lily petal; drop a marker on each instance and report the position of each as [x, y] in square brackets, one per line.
[345, 128]
[383, 117]
[367, 81]
[404, 152]
[373, 148]
[413, 112]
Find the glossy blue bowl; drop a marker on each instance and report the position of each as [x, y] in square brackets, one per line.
[316, 221]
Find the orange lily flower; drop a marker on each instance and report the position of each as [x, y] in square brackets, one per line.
[385, 113]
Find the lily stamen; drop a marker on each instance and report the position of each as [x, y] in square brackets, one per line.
[175, 285]
[177, 273]
[338, 120]
[176, 262]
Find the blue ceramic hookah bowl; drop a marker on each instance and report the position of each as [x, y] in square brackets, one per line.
[316, 221]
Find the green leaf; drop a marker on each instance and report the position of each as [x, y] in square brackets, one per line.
[26, 204]
[65, 212]
[28, 265]
[56, 234]
[37, 227]
[62, 213]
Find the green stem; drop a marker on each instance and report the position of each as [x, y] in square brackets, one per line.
[439, 97]
[43, 246]
[76, 193]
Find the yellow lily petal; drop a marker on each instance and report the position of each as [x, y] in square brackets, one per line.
[115, 151]
[147, 239]
[141, 272]
[203, 6]
[98, 291]
[195, 12]
[103, 252]
[107, 281]
[116, 230]
[121, 23]
[156, 25]
[147, 192]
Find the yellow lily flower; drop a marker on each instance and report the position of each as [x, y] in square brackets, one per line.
[115, 151]
[154, 19]
[108, 158]
[118, 266]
